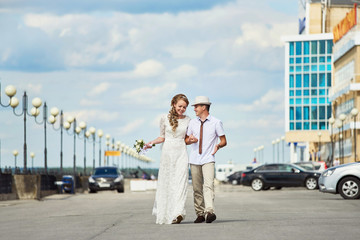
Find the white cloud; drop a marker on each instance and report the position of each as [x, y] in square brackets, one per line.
[273, 100]
[149, 68]
[93, 115]
[99, 89]
[150, 95]
[263, 34]
[183, 72]
[131, 126]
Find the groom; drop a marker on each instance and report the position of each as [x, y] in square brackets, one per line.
[203, 133]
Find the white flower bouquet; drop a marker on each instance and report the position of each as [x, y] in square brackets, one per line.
[139, 146]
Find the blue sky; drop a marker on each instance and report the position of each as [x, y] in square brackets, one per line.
[117, 64]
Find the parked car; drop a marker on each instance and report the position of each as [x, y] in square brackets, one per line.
[310, 165]
[106, 178]
[235, 178]
[278, 176]
[343, 179]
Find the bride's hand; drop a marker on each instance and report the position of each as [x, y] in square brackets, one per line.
[148, 145]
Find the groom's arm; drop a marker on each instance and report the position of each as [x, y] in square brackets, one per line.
[221, 144]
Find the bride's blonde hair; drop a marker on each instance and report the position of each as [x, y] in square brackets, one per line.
[173, 116]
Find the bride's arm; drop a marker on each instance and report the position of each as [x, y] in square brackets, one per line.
[155, 141]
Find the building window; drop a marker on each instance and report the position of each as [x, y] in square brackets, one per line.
[306, 80]
[322, 81]
[298, 80]
[306, 48]
[322, 47]
[291, 126]
[292, 48]
[298, 126]
[313, 113]
[306, 113]
[298, 48]
[329, 46]
[314, 80]
[298, 113]
[322, 112]
[306, 126]
[313, 47]
[291, 113]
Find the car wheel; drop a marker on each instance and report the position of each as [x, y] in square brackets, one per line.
[257, 184]
[234, 182]
[92, 191]
[311, 183]
[121, 189]
[349, 188]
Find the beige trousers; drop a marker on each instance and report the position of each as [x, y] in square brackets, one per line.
[203, 186]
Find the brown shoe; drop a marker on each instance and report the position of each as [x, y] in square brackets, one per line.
[199, 219]
[210, 217]
[177, 220]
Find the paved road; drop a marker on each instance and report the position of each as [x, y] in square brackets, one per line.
[242, 214]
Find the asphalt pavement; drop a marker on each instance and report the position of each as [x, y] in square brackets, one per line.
[293, 213]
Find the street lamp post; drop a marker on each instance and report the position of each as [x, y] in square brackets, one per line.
[319, 146]
[54, 112]
[332, 121]
[92, 132]
[338, 124]
[15, 153]
[354, 112]
[278, 151]
[32, 155]
[107, 136]
[36, 102]
[342, 118]
[273, 144]
[100, 134]
[76, 130]
[283, 148]
[82, 126]
[35, 112]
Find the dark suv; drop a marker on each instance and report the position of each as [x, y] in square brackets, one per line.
[106, 178]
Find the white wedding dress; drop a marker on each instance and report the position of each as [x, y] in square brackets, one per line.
[173, 174]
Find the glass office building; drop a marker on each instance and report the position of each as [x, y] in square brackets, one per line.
[308, 81]
[308, 66]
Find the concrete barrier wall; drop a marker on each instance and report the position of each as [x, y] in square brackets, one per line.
[27, 186]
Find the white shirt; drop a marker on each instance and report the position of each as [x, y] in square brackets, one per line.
[212, 130]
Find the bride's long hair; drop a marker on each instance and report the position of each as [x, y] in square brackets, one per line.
[173, 116]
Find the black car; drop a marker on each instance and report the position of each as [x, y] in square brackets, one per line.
[235, 178]
[106, 178]
[280, 175]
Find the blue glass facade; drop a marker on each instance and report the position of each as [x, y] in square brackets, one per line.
[310, 64]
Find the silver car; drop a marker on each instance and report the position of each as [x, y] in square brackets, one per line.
[343, 179]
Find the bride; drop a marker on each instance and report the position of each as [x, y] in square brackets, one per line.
[169, 206]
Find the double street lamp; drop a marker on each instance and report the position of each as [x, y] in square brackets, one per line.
[36, 102]
[54, 112]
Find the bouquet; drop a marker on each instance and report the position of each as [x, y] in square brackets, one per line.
[139, 146]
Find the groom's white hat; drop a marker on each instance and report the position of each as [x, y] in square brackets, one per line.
[201, 100]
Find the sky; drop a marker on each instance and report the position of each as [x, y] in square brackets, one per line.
[117, 64]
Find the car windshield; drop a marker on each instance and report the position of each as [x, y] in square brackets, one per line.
[106, 171]
[306, 166]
